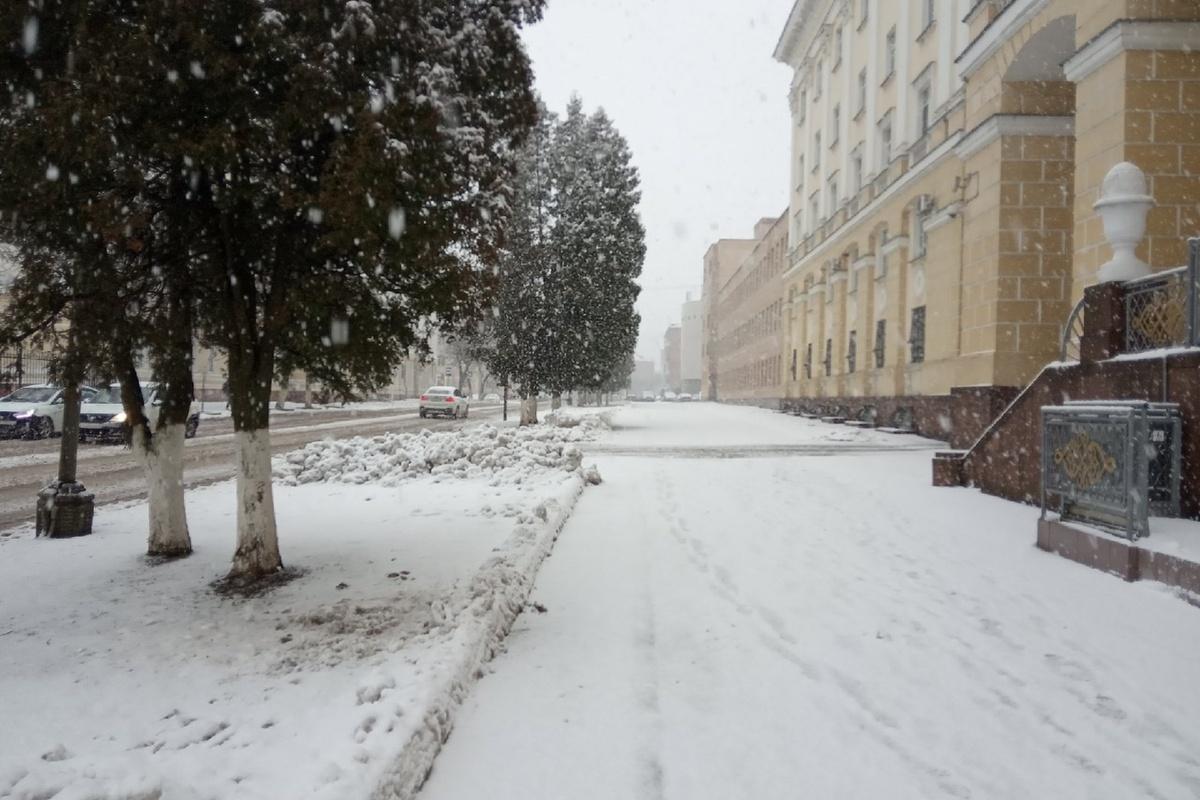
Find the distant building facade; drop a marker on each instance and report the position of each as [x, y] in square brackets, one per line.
[645, 377]
[720, 261]
[691, 345]
[749, 314]
[671, 358]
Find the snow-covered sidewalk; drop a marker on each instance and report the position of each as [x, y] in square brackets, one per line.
[120, 679]
[729, 623]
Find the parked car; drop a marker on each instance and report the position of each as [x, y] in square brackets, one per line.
[492, 397]
[685, 398]
[445, 401]
[102, 419]
[670, 397]
[35, 411]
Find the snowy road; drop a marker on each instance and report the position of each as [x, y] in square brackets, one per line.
[114, 474]
[808, 624]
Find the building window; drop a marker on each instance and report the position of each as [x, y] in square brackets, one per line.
[852, 352]
[828, 357]
[885, 141]
[880, 342]
[864, 12]
[795, 353]
[924, 107]
[816, 151]
[833, 193]
[928, 14]
[889, 55]
[916, 335]
[814, 204]
[856, 169]
[862, 92]
[836, 133]
[920, 235]
[797, 227]
[837, 49]
[803, 107]
[817, 83]
[808, 361]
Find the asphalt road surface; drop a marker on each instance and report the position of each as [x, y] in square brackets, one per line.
[113, 474]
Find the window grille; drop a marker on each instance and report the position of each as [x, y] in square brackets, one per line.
[916, 336]
[828, 357]
[852, 352]
[880, 342]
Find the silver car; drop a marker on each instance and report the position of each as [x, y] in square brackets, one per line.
[445, 401]
[35, 411]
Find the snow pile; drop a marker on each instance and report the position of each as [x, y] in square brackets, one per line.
[505, 455]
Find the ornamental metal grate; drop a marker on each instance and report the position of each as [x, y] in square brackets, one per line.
[1097, 459]
[852, 352]
[1160, 310]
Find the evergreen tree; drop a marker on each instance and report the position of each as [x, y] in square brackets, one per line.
[566, 316]
[340, 168]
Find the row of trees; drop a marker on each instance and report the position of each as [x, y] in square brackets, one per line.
[564, 316]
[254, 175]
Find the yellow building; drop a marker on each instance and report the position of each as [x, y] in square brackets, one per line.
[946, 156]
[750, 319]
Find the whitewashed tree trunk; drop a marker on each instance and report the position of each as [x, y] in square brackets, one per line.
[529, 410]
[162, 461]
[258, 542]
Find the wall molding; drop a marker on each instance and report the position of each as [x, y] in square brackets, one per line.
[1130, 35]
[997, 34]
[999, 125]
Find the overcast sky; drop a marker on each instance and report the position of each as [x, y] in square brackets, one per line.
[692, 86]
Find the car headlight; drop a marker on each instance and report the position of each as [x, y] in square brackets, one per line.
[118, 417]
[25, 414]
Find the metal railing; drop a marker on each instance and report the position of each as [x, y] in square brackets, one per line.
[22, 366]
[1112, 462]
[1161, 309]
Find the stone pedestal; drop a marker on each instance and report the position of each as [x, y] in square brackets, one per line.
[65, 509]
[1103, 322]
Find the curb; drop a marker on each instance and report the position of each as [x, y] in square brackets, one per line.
[498, 592]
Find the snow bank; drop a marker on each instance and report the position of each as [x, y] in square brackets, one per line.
[506, 455]
[342, 683]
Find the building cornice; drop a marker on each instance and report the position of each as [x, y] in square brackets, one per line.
[997, 34]
[803, 25]
[1130, 35]
[999, 125]
[928, 163]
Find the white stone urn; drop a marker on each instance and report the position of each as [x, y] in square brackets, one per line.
[1123, 205]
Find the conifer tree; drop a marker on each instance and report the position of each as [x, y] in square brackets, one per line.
[326, 174]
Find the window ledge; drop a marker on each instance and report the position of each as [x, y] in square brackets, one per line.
[858, 114]
[928, 29]
[887, 78]
[862, 23]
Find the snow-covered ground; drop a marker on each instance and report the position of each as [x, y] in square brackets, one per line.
[732, 621]
[120, 679]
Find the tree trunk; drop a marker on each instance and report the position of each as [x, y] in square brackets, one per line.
[257, 552]
[556, 401]
[258, 540]
[162, 460]
[529, 409]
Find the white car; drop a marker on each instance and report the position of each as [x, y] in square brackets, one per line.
[35, 411]
[103, 417]
[445, 401]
